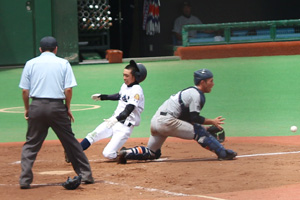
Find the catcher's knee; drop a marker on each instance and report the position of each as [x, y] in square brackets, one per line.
[200, 132]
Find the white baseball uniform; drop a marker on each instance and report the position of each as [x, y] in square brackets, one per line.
[121, 131]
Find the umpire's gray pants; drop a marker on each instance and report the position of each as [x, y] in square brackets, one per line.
[45, 113]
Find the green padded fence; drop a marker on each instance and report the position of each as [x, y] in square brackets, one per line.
[242, 32]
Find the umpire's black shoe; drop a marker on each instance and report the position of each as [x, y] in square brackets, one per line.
[88, 181]
[230, 155]
[121, 156]
[25, 186]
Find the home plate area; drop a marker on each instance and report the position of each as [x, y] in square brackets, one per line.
[185, 171]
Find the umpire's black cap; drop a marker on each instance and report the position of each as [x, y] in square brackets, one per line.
[186, 3]
[48, 42]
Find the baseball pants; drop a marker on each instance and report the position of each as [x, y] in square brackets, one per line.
[43, 114]
[119, 134]
[164, 125]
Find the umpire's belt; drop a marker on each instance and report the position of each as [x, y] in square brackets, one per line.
[47, 99]
[126, 123]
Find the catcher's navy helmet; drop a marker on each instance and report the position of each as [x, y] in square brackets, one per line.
[141, 73]
[202, 74]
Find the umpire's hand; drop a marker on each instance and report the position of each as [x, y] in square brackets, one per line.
[26, 114]
[71, 116]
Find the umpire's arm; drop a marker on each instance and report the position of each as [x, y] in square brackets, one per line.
[69, 93]
[25, 95]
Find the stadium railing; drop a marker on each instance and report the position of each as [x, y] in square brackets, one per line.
[242, 32]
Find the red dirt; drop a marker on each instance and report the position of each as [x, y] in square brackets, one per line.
[186, 171]
[239, 50]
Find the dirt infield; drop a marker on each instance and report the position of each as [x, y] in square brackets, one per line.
[266, 168]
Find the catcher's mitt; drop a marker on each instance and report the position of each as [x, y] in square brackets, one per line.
[217, 133]
[72, 184]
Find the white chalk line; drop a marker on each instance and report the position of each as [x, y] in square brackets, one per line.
[125, 185]
[240, 156]
[268, 154]
[74, 107]
[40, 184]
[165, 191]
[107, 160]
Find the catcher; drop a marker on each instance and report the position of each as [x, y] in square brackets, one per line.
[179, 116]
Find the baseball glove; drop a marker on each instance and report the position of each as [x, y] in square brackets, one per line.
[72, 184]
[217, 133]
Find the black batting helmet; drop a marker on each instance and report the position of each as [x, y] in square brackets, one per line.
[141, 74]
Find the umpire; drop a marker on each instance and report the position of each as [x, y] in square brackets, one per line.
[48, 81]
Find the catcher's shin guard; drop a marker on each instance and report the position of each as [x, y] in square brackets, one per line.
[210, 143]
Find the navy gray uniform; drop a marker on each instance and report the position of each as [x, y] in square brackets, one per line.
[179, 116]
[169, 121]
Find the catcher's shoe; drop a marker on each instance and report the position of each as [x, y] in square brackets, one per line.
[66, 158]
[121, 156]
[230, 155]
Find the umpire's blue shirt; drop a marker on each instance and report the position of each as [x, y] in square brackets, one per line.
[47, 76]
